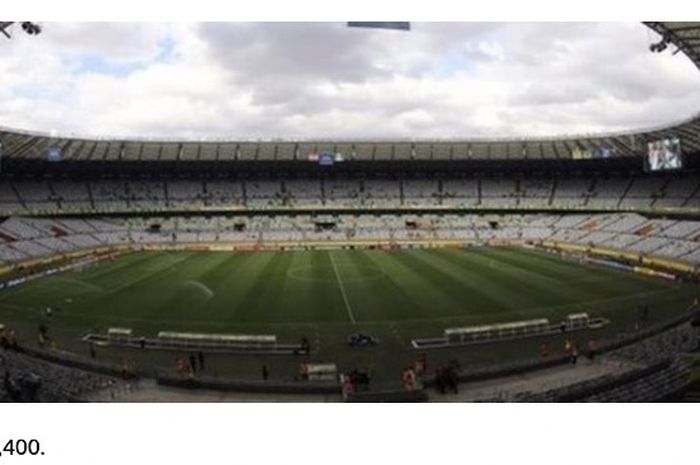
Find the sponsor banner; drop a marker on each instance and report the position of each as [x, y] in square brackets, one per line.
[54, 154]
[590, 154]
[609, 263]
[656, 274]
[325, 158]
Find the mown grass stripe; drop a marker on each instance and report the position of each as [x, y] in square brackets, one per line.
[341, 286]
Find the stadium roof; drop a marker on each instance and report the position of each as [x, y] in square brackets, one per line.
[683, 35]
[33, 146]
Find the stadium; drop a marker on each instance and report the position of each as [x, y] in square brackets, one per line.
[478, 269]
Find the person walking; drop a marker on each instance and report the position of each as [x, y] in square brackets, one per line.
[193, 363]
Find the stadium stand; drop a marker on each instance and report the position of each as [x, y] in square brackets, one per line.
[29, 379]
[33, 237]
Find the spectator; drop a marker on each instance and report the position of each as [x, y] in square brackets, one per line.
[193, 362]
[124, 370]
[265, 373]
[592, 348]
[347, 386]
[452, 379]
[200, 359]
[453, 375]
[180, 368]
[304, 371]
[44, 331]
[12, 340]
[440, 385]
[420, 366]
[305, 345]
[408, 379]
[360, 379]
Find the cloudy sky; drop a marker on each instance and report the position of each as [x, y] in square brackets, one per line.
[267, 80]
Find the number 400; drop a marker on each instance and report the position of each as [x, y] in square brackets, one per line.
[22, 447]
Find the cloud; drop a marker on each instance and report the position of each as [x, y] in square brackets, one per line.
[265, 80]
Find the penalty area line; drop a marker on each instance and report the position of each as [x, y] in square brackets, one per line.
[342, 290]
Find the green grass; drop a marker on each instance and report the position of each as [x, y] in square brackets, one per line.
[393, 295]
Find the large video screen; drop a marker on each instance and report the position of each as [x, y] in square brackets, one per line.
[664, 154]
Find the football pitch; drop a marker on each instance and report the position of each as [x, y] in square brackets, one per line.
[327, 294]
